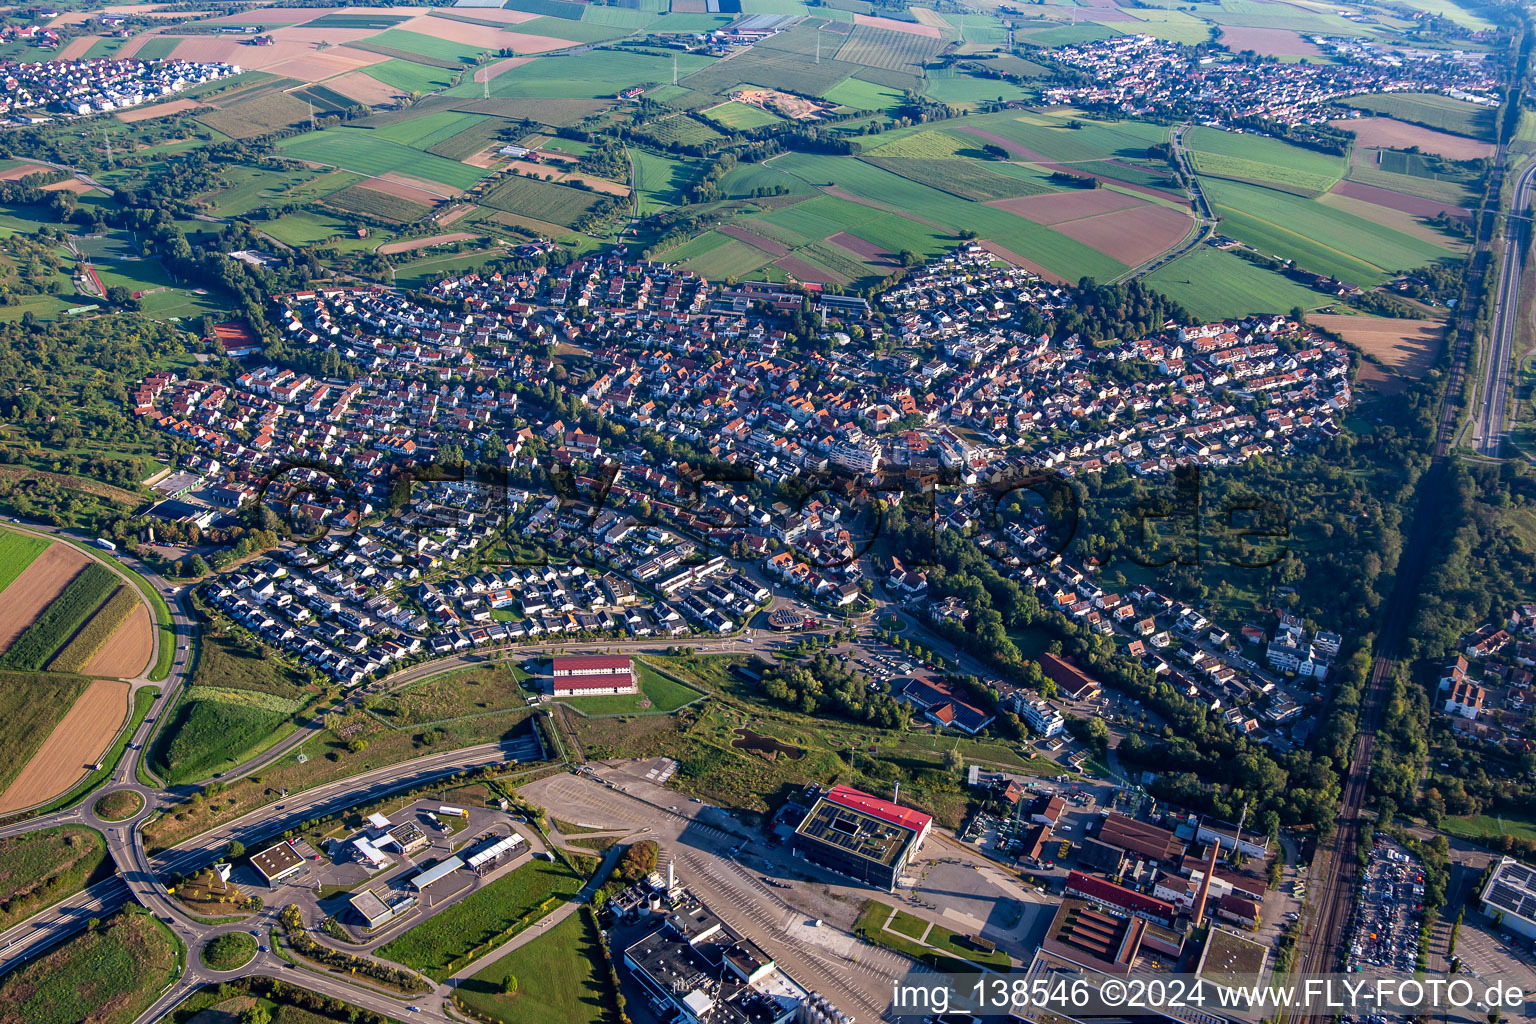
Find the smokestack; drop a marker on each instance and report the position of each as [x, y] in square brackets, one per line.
[1205, 883]
[671, 875]
[896, 796]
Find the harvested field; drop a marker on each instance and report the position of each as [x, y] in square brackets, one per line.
[501, 14]
[22, 170]
[458, 212]
[1009, 256]
[891, 24]
[128, 650]
[417, 190]
[865, 252]
[1406, 348]
[75, 48]
[462, 32]
[74, 185]
[804, 271]
[502, 66]
[1057, 207]
[1413, 205]
[150, 110]
[65, 757]
[1390, 133]
[295, 57]
[411, 245]
[34, 590]
[359, 86]
[1387, 217]
[1130, 236]
[755, 240]
[1268, 42]
[316, 67]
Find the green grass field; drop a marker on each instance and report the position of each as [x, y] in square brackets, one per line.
[454, 695]
[659, 180]
[58, 622]
[558, 980]
[428, 130]
[1263, 161]
[426, 46]
[373, 203]
[489, 915]
[1321, 239]
[862, 95]
[589, 75]
[17, 551]
[717, 256]
[1432, 111]
[364, 151]
[40, 868]
[228, 951]
[109, 974]
[1212, 284]
[408, 76]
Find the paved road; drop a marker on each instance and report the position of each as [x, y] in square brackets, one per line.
[1488, 422]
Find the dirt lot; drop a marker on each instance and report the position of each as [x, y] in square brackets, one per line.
[82, 736]
[1389, 133]
[1269, 42]
[127, 651]
[37, 586]
[782, 103]
[444, 219]
[150, 110]
[1408, 347]
[412, 244]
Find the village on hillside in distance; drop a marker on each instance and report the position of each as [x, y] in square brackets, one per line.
[768, 512]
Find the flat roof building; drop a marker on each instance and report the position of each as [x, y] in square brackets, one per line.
[372, 907]
[407, 836]
[861, 836]
[278, 862]
[436, 873]
[1511, 891]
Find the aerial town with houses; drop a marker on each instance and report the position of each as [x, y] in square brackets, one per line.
[99, 86]
[1141, 74]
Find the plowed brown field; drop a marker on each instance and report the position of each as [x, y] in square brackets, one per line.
[127, 650]
[36, 587]
[81, 737]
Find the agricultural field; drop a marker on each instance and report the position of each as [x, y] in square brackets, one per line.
[857, 94]
[72, 748]
[371, 202]
[43, 867]
[482, 135]
[427, 46]
[1318, 238]
[589, 75]
[1389, 133]
[466, 692]
[1263, 161]
[259, 115]
[79, 651]
[1212, 284]
[438, 946]
[558, 979]
[683, 130]
[108, 974]
[410, 77]
[1398, 351]
[249, 188]
[886, 48]
[1442, 113]
[58, 622]
[742, 115]
[17, 551]
[659, 181]
[34, 588]
[541, 200]
[365, 152]
[969, 179]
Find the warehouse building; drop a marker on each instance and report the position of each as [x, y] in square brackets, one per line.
[276, 863]
[861, 836]
[1511, 893]
[373, 908]
[592, 676]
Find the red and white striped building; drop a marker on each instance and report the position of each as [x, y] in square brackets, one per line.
[592, 675]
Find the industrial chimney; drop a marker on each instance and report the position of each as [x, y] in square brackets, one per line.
[1205, 883]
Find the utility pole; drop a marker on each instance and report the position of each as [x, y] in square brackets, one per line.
[311, 113]
[674, 69]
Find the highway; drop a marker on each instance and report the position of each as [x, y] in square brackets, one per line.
[1488, 418]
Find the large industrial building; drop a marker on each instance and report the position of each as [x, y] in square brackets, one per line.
[697, 968]
[1511, 893]
[861, 836]
[592, 675]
